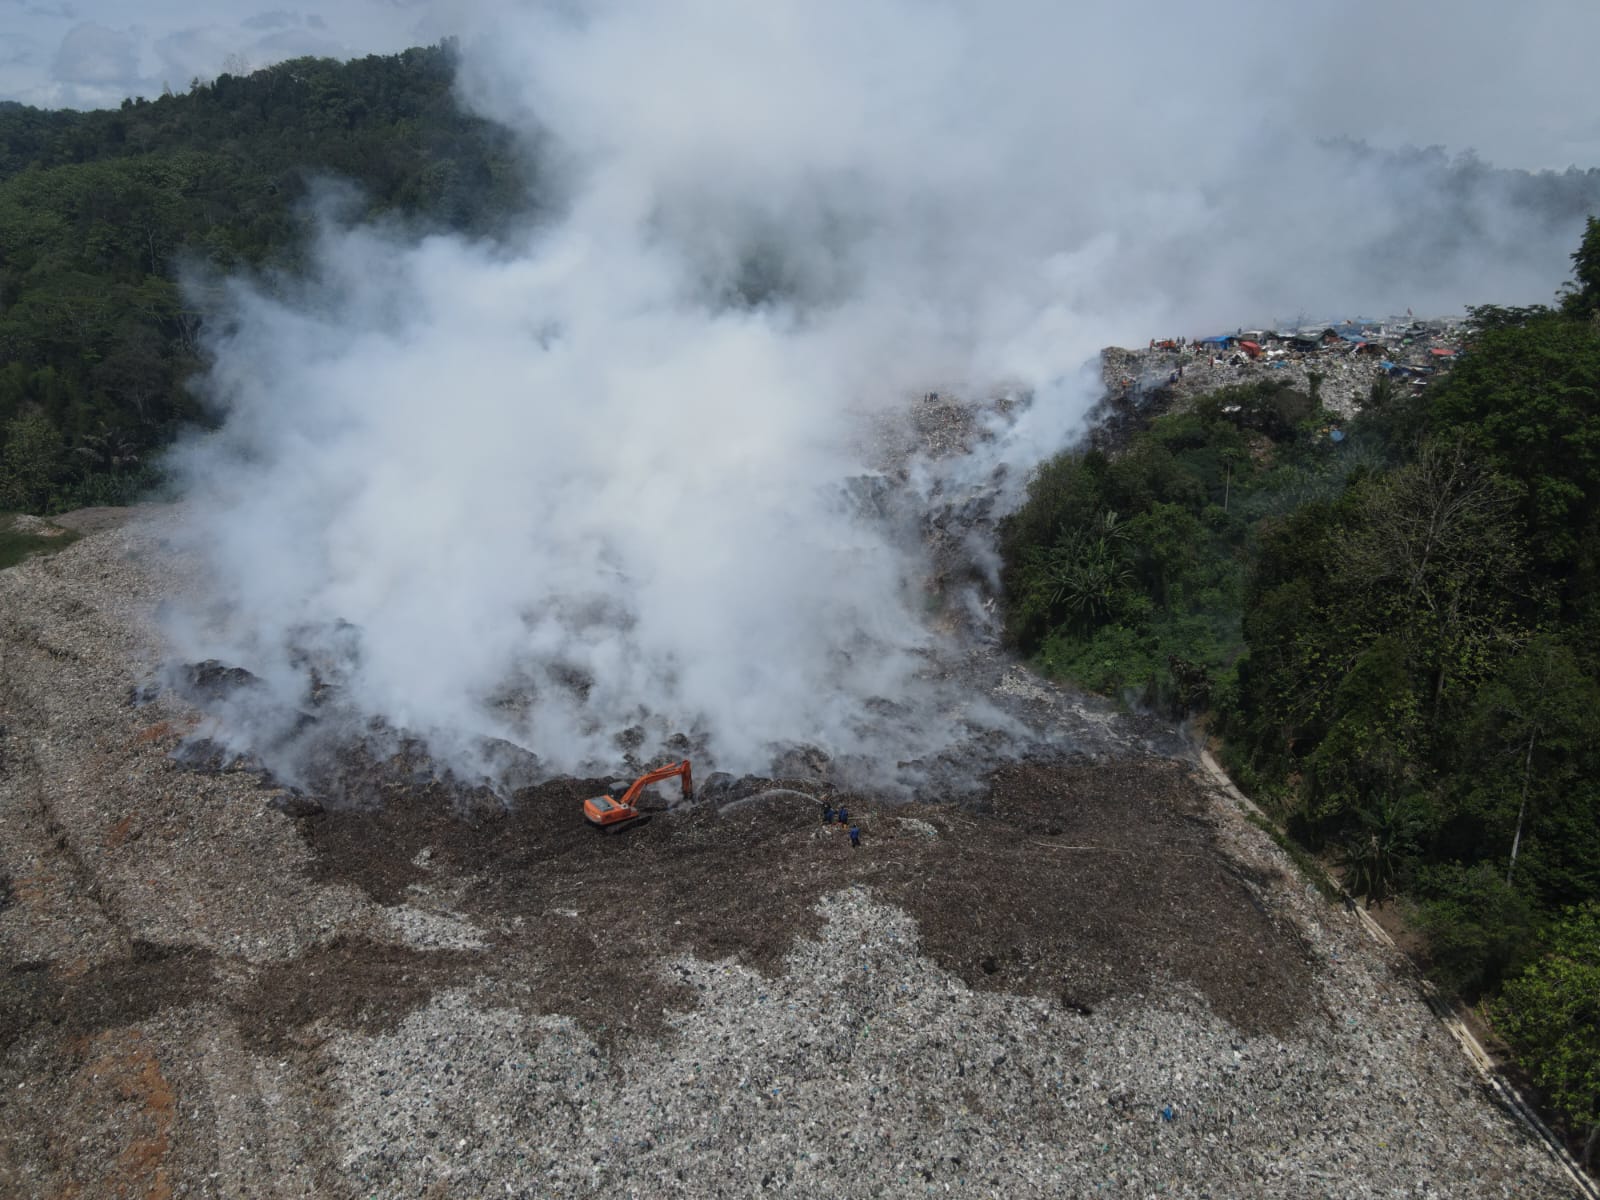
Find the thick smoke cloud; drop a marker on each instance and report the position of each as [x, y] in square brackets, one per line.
[609, 474]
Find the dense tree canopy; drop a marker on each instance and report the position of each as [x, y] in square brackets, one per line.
[102, 213]
[1551, 1013]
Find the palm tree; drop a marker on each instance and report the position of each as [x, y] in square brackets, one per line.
[1086, 569]
[1371, 856]
[108, 450]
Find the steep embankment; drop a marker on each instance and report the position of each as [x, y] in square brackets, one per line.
[1095, 976]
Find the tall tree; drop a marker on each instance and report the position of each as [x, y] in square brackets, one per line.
[1581, 297]
[1527, 399]
[1530, 752]
[1433, 548]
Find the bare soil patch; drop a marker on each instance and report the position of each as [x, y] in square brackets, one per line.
[79, 1000]
[1074, 882]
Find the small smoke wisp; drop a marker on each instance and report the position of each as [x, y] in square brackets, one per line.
[604, 487]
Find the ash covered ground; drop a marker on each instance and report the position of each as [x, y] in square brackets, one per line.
[1066, 968]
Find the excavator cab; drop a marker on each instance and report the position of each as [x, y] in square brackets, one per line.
[613, 812]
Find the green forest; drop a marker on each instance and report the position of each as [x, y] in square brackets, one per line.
[104, 215]
[1392, 636]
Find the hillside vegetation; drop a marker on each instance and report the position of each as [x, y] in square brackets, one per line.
[1396, 635]
[102, 214]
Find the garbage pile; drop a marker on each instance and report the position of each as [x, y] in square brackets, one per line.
[1337, 362]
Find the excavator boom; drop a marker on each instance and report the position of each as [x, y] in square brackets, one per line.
[605, 813]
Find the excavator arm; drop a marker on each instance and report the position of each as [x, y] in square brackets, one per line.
[606, 813]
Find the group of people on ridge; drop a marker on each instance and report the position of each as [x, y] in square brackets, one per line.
[840, 816]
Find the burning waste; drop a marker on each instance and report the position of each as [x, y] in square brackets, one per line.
[649, 477]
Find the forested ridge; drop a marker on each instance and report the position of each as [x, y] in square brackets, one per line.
[1392, 627]
[102, 213]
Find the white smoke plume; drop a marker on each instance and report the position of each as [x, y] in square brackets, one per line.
[599, 476]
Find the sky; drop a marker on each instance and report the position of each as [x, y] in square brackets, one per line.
[1514, 84]
[93, 53]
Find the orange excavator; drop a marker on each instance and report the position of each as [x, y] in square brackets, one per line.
[606, 813]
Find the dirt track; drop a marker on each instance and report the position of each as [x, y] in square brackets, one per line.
[1094, 979]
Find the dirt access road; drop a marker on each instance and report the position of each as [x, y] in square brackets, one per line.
[1094, 980]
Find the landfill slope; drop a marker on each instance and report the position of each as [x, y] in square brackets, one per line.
[1091, 978]
[1339, 365]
